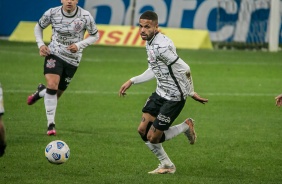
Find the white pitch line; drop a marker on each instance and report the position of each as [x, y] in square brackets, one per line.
[143, 93]
[124, 60]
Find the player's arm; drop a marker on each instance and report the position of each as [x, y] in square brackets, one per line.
[278, 100]
[43, 49]
[43, 22]
[199, 99]
[191, 92]
[146, 76]
[91, 39]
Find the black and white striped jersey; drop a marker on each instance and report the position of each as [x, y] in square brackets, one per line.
[174, 80]
[66, 30]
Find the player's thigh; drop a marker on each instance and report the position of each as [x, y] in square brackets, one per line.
[53, 65]
[150, 110]
[145, 123]
[67, 75]
[167, 114]
[153, 105]
[53, 68]
[52, 81]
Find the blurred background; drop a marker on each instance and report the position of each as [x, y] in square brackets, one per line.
[230, 23]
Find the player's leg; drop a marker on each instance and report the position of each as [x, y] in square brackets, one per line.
[2, 136]
[186, 127]
[38, 94]
[165, 166]
[150, 110]
[56, 85]
[168, 113]
[53, 69]
[51, 101]
[2, 127]
[161, 129]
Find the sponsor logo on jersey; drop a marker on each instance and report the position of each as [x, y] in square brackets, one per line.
[68, 79]
[51, 63]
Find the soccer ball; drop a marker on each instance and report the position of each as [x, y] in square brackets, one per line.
[57, 152]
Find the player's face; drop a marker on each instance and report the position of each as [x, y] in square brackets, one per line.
[147, 28]
[69, 5]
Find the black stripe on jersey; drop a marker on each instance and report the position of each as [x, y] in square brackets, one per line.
[174, 79]
[174, 61]
[69, 16]
[94, 33]
[40, 25]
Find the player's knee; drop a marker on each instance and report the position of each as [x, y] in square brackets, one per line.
[152, 139]
[142, 134]
[143, 130]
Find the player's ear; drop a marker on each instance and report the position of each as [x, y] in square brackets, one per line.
[157, 27]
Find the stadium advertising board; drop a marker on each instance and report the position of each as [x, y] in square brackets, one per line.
[124, 36]
[226, 21]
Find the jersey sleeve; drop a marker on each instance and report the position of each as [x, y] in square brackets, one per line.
[144, 77]
[91, 25]
[45, 20]
[167, 54]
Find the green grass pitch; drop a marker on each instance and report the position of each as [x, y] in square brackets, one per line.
[239, 130]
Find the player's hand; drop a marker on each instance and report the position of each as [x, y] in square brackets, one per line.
[124, 87]
[44, 51]
[278, 100]
[73, 48]
[199, 99]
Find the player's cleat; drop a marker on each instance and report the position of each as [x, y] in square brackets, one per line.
[51, 129]
[164, 169]
[190, 133]
[35, 96]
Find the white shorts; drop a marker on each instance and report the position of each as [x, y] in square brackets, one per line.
[1, 101]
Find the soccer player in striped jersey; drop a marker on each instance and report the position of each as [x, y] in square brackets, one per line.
[62, 56]
[174, 85]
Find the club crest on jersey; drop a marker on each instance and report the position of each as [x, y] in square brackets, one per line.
[77, 26]
[51, 63]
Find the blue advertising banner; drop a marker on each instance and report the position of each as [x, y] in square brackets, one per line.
[226, 21]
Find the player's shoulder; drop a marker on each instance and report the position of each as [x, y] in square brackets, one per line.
[54, 10]
[162, 40]
[83, 11]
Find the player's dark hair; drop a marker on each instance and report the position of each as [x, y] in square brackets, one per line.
[149, 15]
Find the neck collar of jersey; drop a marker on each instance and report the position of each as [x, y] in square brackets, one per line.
[69, 15]
[150, 41]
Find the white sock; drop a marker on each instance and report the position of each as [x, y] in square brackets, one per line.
[50, 102]
[42, 93]
[159, 151]
[175, 130]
